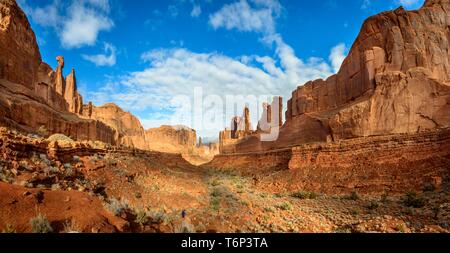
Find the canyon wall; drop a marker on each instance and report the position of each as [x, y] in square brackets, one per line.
[395, 79]
[32, 95]
[128, 129]
[131, 133]
[174, 139]
[393, 164]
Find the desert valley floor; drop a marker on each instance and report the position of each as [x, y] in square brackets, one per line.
[83, 187]
[366, 150]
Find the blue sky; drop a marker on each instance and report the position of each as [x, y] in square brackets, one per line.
[141, 54]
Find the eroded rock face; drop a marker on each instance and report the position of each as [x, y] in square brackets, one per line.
[129, 131]
[396, 78]
[20, 57]
[31, 92]
[71, 95]
[173, 139]
[60, 84]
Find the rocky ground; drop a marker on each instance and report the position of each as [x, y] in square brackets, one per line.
[119, 191]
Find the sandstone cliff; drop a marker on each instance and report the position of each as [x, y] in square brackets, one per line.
[173, 139]
[129, 131]
[32, 94]
[396, 79]
[34, 98]
[20, 56]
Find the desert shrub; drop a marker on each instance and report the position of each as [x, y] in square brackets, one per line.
[141, 217]
[353, 196]
[138, 195]
[157, 217]
[56, 187]
[40, 224]
[42, 131]
[304, 195]
[219, 192]
[413, 200]
[354, 211]
[71, 227]
[9, 229]
[76, 159]
[96, 158]
[429, 188]
[215, 182]
[373, 205]
[5, 175]
[279, 195]
[384, 198]
[286, 206]
[215, 203]
[186, 228]
[436, 211]
[69, 172]
[116, 207]
[400, 228]
[45, 160]
[51, 170]
[269, 209]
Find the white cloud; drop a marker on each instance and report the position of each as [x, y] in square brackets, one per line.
[256, 16]
[103, 59]
[337, 56]
[196, 11]
[177, 71]
[83, 26]
[366, 4]
[77, 23]
[102, 4]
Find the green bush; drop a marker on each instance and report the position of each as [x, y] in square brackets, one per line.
[141, 217]
[40, 224]
[373, 205]
[215, 203]
[286, 206]
[353, 196]
[157, 217]
[42, 131]
[413, 200]
[116, 207]
[429, 188]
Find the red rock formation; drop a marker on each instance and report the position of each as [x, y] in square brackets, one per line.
[129, 131]
[60, 82]
[396, 78]
[390, 164]
[31, 93]
[247, 120]
[242, 139]
[172, 139]
[20, 57]
[71, 95]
